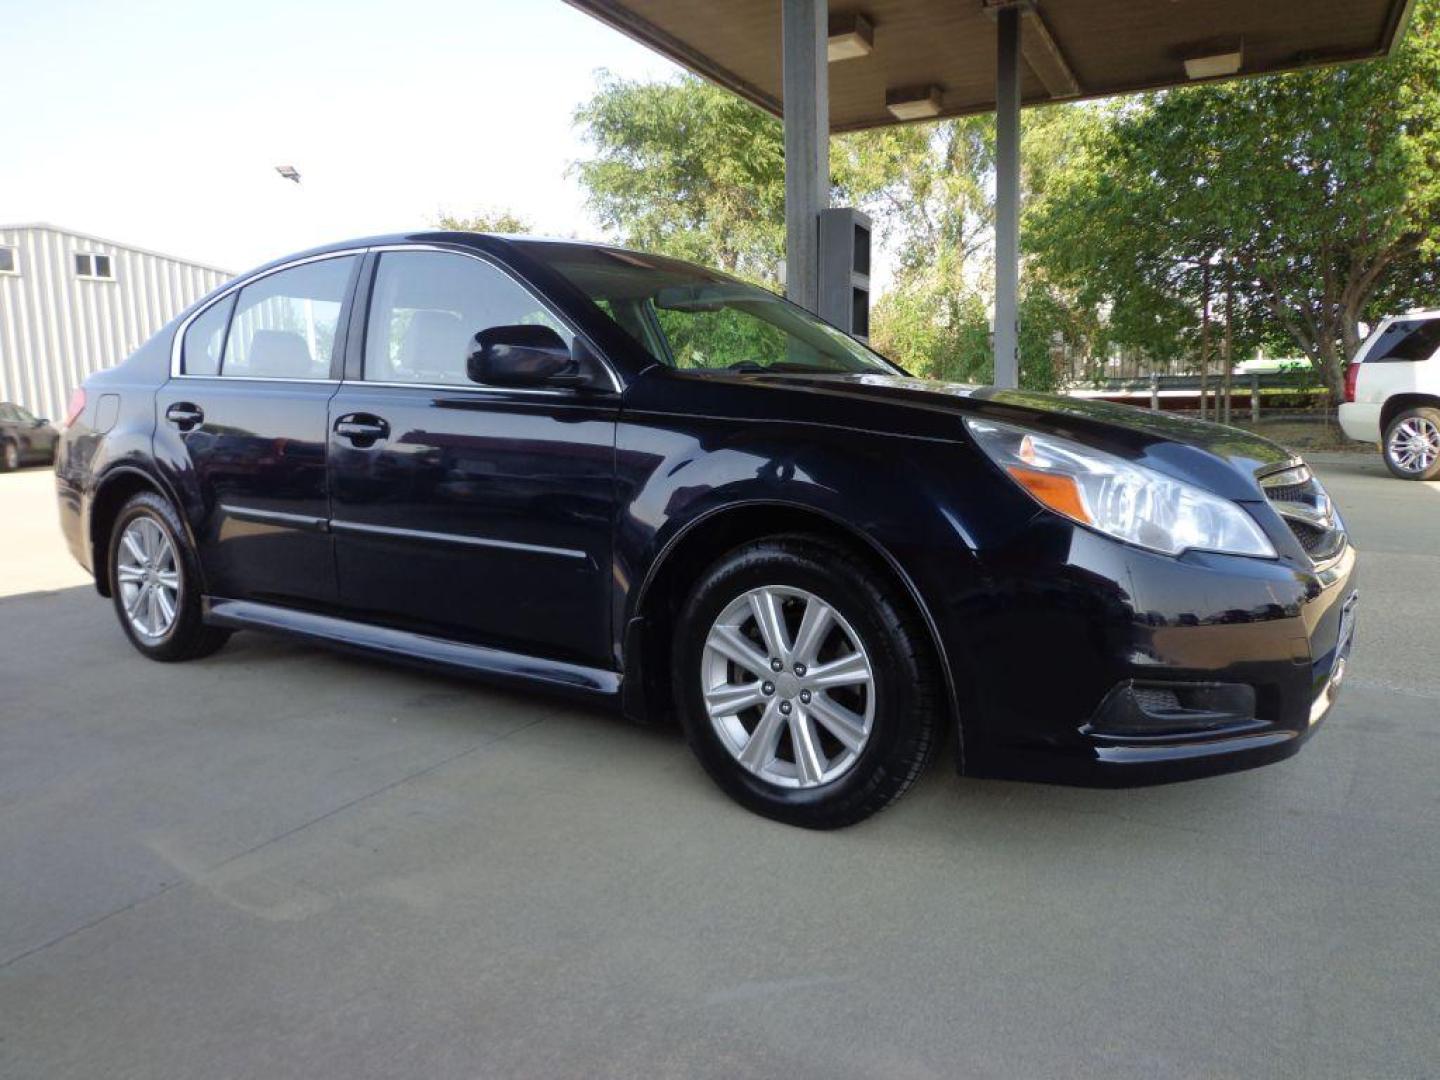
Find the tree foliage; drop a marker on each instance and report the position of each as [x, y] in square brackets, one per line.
[491, 221]
[686, 168]
[1313, 195]
[1311, 199]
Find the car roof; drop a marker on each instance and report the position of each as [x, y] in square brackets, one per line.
[484, 240]
[495, 243]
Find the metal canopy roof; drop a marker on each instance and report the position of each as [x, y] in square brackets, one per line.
[1072, 48]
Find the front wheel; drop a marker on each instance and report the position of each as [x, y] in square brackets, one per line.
[805, 682]
[155, 583]
[10, 457]
[1412, 444]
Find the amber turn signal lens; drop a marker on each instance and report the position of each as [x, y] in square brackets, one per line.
[1055, 491]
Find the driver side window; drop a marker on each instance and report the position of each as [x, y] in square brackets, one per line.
[426, 308]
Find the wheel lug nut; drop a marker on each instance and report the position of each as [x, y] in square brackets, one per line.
[804, 697]
[785, 708]
[800, 670]
[767, 688]
[776, 665]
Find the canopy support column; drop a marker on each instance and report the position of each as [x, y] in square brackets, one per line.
[1007, 197]
[806, 85]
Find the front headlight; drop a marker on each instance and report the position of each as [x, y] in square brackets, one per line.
[1117, 497]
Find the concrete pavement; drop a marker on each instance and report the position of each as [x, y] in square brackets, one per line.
[282, 862]
[33, 555]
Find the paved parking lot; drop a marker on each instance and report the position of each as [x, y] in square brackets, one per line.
[281, 862]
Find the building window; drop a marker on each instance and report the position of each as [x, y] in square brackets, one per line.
[7, 261]
[90, 265]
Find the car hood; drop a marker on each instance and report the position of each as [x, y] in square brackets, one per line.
[1224, 459]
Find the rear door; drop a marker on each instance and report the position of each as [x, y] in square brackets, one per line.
[469, 512]
[243, 423]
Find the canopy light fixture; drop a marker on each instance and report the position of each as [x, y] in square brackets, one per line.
[913, 103]
[1214, 65]
[851, 36]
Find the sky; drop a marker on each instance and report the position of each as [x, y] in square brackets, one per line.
[159, 123]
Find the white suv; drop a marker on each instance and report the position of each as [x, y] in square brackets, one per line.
[1392, 394]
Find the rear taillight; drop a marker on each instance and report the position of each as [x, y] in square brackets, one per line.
[76, 406]
[1352, 373]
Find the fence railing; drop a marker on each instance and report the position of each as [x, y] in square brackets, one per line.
[1270, 390]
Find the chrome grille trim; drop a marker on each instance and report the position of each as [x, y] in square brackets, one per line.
[1300, 499]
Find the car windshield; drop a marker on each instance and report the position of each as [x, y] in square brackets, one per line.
[698, 320]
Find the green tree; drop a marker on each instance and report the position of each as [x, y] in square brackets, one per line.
[686, 168]
[1315, 195]
[491, 221]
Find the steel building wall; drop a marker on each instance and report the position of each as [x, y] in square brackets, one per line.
[57, 327]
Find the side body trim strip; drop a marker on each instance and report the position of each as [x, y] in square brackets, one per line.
[406, 646]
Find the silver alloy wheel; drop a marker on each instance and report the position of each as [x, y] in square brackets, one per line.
[12, 456]
[149, 578]
[788, 686]
[1415, 444]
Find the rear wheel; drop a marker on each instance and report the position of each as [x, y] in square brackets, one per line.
[10, 457]
[806, 686]
[1412, 444]
[154, 582]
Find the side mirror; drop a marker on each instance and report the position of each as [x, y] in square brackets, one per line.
[524, 355]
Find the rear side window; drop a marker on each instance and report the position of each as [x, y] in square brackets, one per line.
[1406, 340]
[285, 325]
[426, 308]
[205, 339]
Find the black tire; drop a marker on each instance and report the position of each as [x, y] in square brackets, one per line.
[908, 710]
[188, 638]
[1428, 419]
[9, 456]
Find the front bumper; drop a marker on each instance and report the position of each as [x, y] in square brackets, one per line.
[1117, 667]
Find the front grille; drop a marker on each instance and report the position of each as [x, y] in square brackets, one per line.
[1300, 499]
[1311, 538]
[1287, 493]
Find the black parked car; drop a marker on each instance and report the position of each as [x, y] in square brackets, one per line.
[24, 438]
[633, 479]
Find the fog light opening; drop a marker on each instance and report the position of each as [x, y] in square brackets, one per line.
[1135, 710]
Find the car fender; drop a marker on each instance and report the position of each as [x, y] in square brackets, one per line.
[678, 481]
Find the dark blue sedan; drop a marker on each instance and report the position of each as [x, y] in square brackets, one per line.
[625, 477]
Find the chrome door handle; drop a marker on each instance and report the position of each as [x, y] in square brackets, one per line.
[362, 430]
[185, 415]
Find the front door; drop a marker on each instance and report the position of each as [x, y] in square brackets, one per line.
[243, 425]
[474, 513]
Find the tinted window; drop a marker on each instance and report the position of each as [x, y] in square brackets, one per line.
[7, 414]
[24, 415]
[285, 324]
[426, 307]
[690, 317]
[1407, 339]
[205, 338]
[7, 260]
